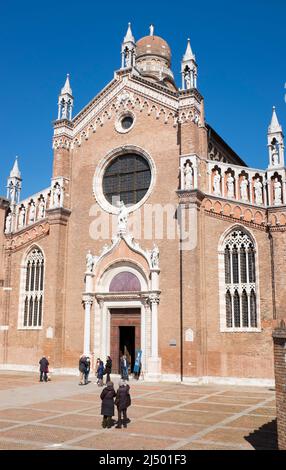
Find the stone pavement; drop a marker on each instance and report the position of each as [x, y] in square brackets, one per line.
[62, 415]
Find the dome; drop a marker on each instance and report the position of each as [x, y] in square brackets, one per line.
[153, 45]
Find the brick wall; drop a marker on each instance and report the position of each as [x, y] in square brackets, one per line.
[279, 338]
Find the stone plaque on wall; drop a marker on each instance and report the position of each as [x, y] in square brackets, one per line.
[189, 335]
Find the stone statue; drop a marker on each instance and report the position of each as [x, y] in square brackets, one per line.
[243, 189]
[128, 58]
[230, 185]
[277, 192]
[41, 213]
[187, 76]
[57, 195]
[32, 212]
[64, 111]
[22, 215]
[216, 183]
[8, 223]
[151, 30]
[89, 262]
[188, 176]
[275, 155]
[122, 217]
[155, 257]
[258, 191]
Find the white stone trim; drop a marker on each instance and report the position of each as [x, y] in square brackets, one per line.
[221, 278]
[120, 117]
[22, 289]
[103, 164]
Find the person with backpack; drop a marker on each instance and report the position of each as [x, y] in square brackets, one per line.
[82, 369]
[44, 369]
[87, 369]
[99, 372]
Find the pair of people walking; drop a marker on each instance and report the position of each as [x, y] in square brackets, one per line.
[101, 370]
[84, 369]
[122, 402]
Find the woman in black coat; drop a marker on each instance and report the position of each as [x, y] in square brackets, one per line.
[107, 405]
[122, 401]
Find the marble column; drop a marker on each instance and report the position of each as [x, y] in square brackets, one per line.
[88, 301]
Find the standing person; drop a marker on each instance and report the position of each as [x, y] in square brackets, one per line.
[122, 401]
[124, 367]
[82, 369]
[107, 406]
[44, 368]
[87, 370]
[99, 372]
[108, 368]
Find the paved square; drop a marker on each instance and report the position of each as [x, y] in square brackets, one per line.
[60, 414]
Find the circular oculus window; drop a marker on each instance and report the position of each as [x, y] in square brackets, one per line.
[127, 178]
[124, 122]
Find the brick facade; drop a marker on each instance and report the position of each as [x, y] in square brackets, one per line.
[169, 126]
[279, 339]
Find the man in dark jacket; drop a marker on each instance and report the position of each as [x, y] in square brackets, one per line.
[44, 369]
[107, 406]
[82, 369]
[122, 401]
[108, 368]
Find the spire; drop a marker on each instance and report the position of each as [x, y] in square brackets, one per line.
[189, 69]
[189, 53]
[274, 125]
[67, 88]
[15, 172]
[65, 102]
[14, 184]
[275, 140]
[129, 36]
[128, 49]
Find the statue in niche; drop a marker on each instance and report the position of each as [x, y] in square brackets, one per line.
[122, 217]
[57, 195]
[275, 155]
[41, 213]
[230, 185]
[89, 262]
[64, 111]
[32, 212]
[258, 191]
[8, 223]
[155, 256]
[277, 192]
[216, 183]
[187, 76]
[244, 188]
[22, 216]
[188, 176]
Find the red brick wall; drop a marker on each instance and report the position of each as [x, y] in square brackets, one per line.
[279, 338]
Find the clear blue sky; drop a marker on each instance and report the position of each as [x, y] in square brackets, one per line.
[240, 49]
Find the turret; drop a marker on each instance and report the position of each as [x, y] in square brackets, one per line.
[65, 103]
[189, 69]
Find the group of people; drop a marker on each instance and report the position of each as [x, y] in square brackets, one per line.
[102, 370]
[121, 399]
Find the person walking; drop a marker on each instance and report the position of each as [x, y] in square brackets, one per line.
[107, 405]
[99, 372]
[87, 369]
[122, 401]
[108, 368]
[44, 369]
[82, 369]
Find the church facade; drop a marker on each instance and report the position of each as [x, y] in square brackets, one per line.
[154, 235]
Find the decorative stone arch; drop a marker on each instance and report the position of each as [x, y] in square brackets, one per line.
[145, 298]
[119, 266]
[221, 276]
[22, 292]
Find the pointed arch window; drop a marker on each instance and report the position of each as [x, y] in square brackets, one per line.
[32, 305]
[240, 290]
